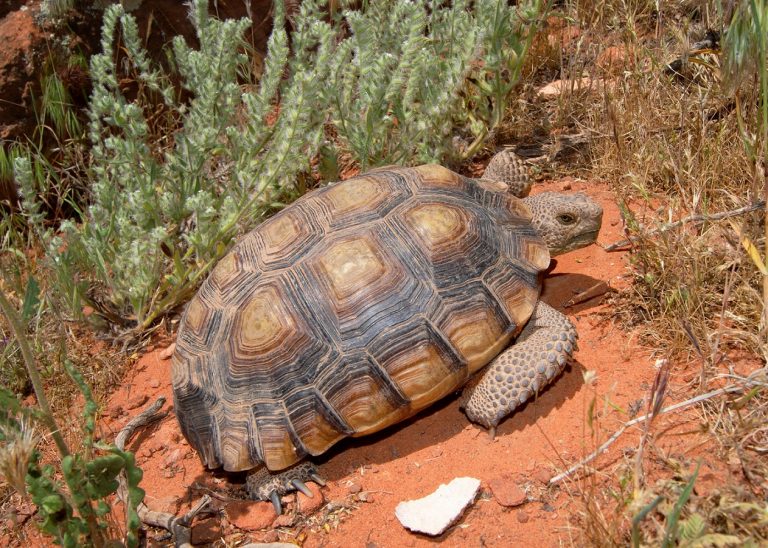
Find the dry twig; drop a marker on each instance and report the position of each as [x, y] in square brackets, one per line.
[179, 527]
[600, 450]
[690, 219]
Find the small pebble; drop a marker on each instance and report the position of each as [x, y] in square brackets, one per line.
[137, 401]
[206, 531]
[522, 517]
[365, 496]
[250, 515]
[309, 505]
[284, 520]
[167, 352]
[354, 488]
[542, 474]
[506, 492]
[115, 412]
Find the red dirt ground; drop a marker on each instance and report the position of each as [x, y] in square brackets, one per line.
[411, 460]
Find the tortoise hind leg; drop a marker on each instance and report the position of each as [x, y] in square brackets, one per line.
[540, 353]
[262, 484]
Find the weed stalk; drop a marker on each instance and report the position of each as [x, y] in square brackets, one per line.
[34, 375]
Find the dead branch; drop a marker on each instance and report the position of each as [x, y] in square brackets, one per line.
[600, 450]
[179, 527]
[690, 219]
[597, 290]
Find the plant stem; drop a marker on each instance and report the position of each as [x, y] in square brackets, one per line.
[759, 13]
[34, 376]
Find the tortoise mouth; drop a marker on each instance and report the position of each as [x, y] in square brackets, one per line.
[577, 242]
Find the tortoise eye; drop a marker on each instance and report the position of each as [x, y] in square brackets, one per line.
[566, 218]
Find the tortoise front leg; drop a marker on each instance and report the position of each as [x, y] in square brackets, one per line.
[540, 353]
[261, 484]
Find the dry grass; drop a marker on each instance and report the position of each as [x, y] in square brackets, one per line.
[670, 147]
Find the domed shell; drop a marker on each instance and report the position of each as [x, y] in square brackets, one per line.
[350, 310]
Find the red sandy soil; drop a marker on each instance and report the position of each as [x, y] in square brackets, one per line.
[412, 459]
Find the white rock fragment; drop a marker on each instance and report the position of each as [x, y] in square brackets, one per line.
[434, 513]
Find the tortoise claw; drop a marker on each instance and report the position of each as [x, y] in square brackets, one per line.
[317, 479]
[301, 486]
[492, 433]
[275, 498]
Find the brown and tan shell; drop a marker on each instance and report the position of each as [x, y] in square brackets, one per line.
[350, 310]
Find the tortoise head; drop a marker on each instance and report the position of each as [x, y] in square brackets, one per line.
[565, 221]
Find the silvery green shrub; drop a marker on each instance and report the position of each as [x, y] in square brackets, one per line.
[386, 83]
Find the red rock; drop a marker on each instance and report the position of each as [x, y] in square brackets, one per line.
[543, 475]
[154, 383]
[309, 505]
[270, 536]
[354, 488]
[115, 412]
[158, 446]
[365, 496]
[522, 517]
[284, 520]
[251, 515]
[137, 401]
[167, 352]
[506, 492]
[206, 531]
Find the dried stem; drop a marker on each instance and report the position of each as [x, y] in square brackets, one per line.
[600, 450]
[29, 361]
[690, 219]
[178, 526]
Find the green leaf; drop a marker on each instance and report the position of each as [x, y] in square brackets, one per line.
[68, 465]
[102, 508]
[52, 504]
[693, 527]
[31, 300]
[640, 516]
[102, 474]
[670, 534]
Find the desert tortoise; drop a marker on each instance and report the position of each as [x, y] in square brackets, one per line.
[366, 301]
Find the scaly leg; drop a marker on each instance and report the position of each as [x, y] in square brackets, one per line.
[538, 355]
[262, 484]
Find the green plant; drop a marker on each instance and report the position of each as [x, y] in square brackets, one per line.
[745, 51]
[172, 180]
[672, 520]
[73, 513]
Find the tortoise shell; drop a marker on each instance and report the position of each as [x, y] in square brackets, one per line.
[350, 310]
